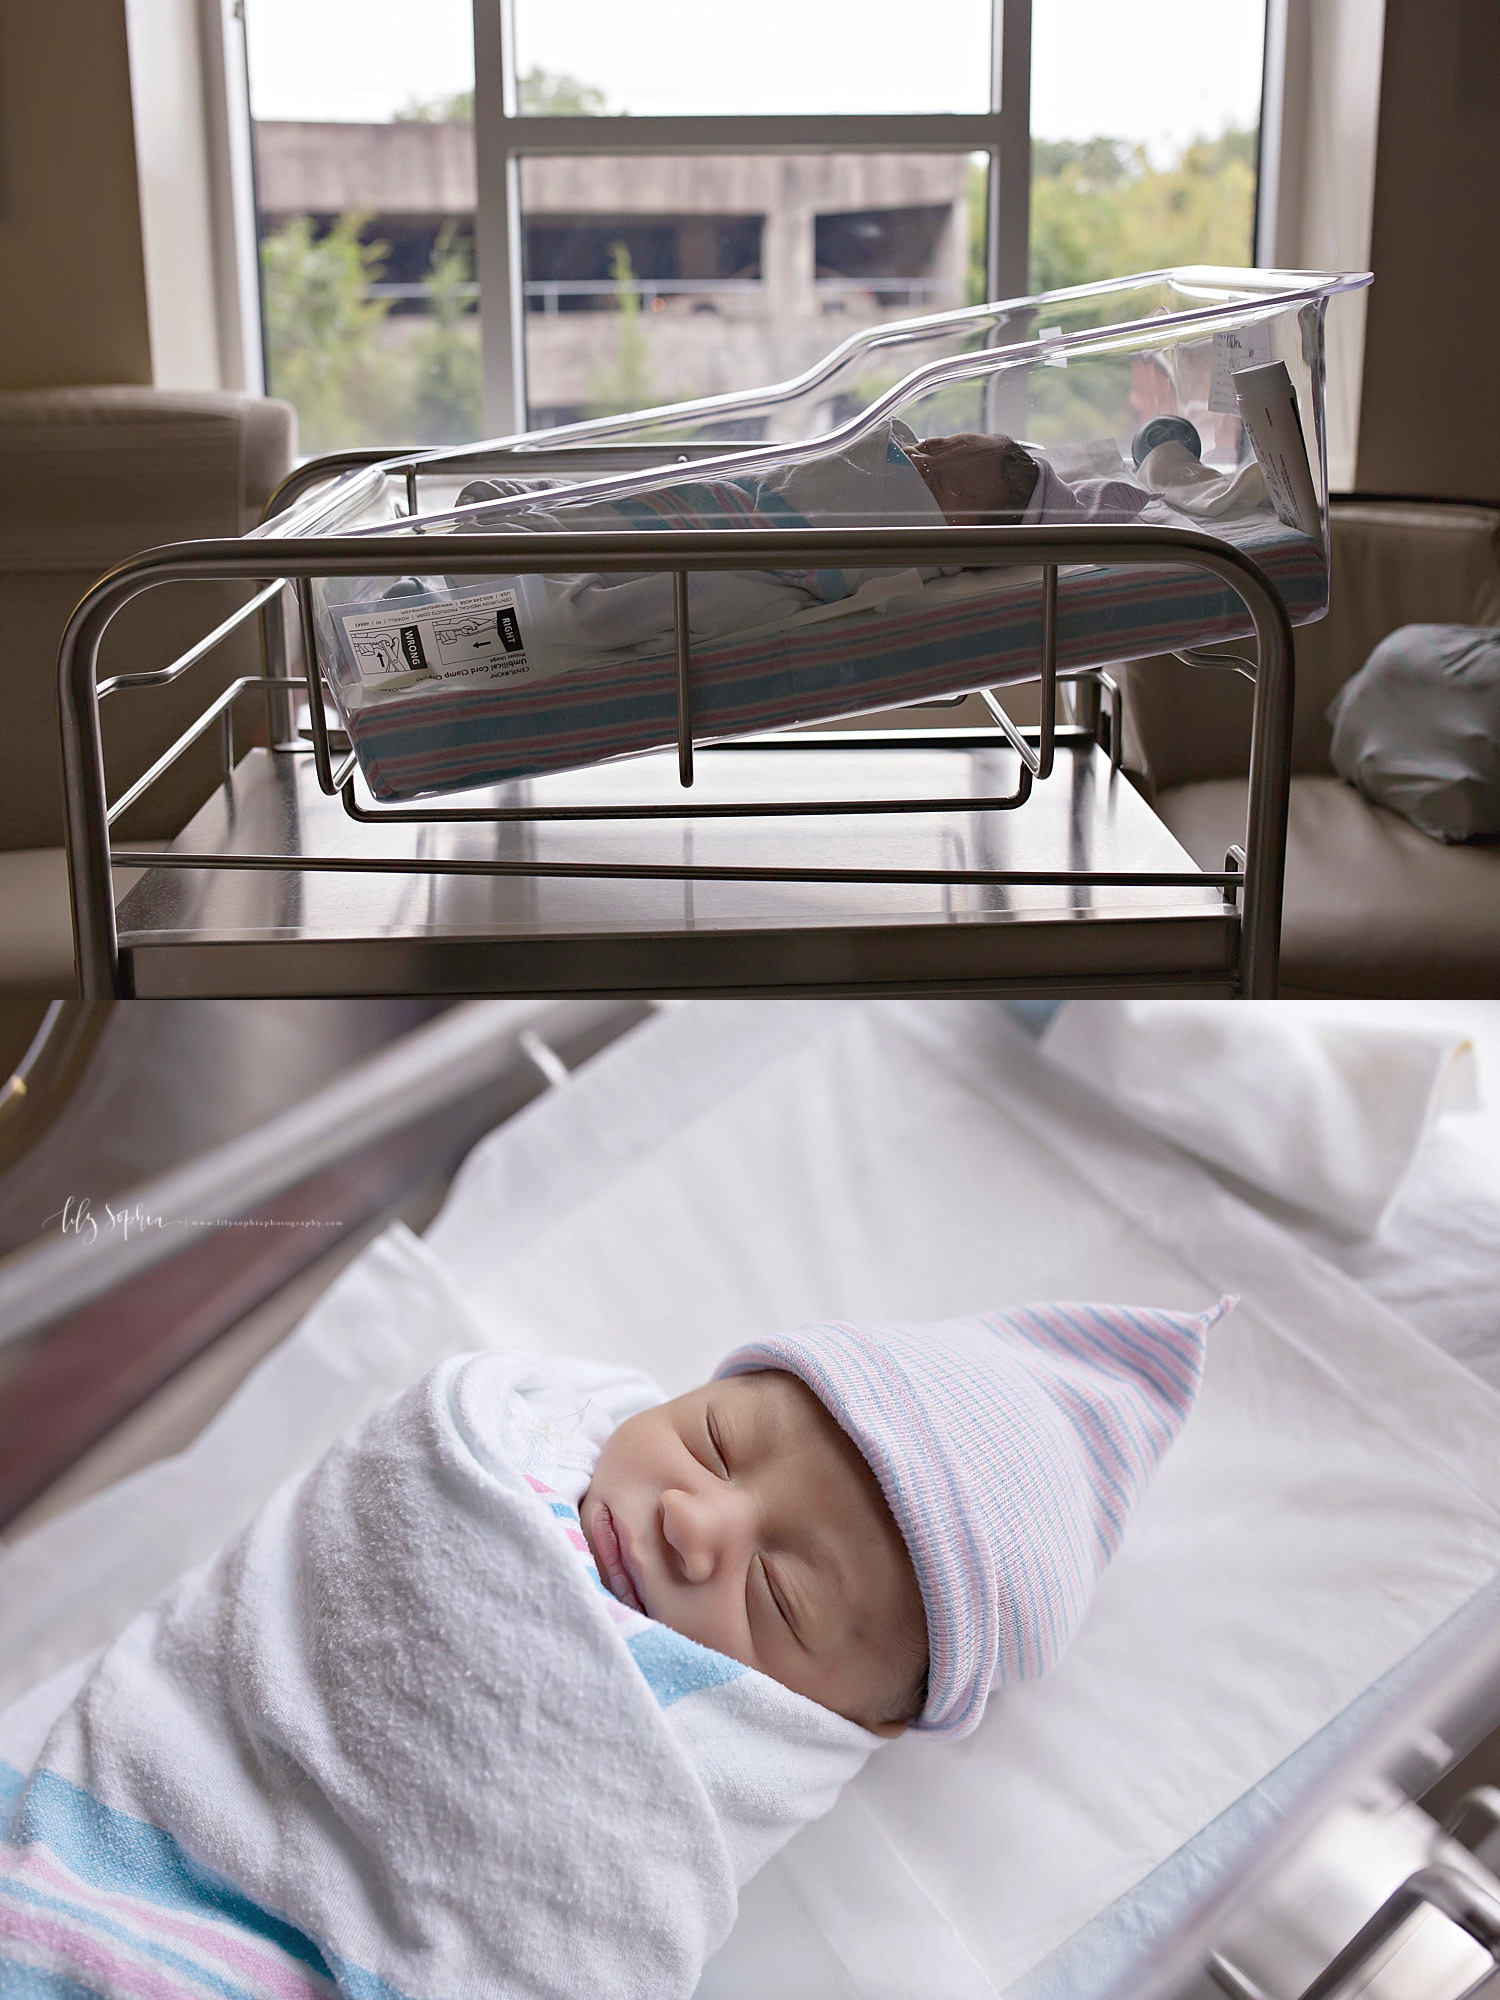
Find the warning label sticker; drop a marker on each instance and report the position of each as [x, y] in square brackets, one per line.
[472, 635]
[1238, 347]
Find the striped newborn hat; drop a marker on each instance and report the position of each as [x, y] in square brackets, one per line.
[1011, 1447]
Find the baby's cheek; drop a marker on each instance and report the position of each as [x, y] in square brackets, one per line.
[719, 1625]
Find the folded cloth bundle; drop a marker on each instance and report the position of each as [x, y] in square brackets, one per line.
[1417, 729]
[397, 1739]
[1323, 1109]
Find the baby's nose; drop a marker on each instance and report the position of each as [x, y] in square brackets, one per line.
[697, 1532]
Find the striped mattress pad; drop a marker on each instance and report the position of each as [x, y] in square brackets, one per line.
[947, 637]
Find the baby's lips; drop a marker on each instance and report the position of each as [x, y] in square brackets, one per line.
[611, 1557]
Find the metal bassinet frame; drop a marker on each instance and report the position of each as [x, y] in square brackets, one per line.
[1255, 875]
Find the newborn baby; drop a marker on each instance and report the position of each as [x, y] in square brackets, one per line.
[974, 478]
[518, 1685]
[892, 1519]
[743, 1516]
[886, 478]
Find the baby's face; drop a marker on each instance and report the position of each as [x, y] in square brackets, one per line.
[742, 1516]
[975, 478]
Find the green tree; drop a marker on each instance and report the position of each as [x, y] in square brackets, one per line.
[446, 371]
[323, 330]
[626, 384]
[1099, 209]
[548, 93]
[457, 108]
[542, 93]
[976, 289]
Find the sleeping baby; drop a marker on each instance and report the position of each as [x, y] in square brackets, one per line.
[975, 479]
[516, 1687]
[886, 478]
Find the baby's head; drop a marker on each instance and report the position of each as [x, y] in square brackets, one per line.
[744, 1517]
[891, 1519]
[974, 478]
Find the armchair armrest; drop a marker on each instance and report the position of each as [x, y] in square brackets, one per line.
[87, 477]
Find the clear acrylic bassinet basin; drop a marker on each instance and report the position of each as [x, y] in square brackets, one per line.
[1193, 397]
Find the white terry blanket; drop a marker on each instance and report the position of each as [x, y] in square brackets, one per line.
[398, 1737]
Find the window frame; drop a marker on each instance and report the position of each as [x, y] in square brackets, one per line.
[502, 138]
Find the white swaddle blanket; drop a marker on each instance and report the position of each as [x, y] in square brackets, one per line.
[397, 1739]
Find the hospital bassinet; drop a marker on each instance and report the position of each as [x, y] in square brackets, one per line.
[458, 724]
[943, 610]
[764, 1155]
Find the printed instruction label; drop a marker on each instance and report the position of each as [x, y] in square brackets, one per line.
[1268, 408]
[1240, 347]
[470, 636]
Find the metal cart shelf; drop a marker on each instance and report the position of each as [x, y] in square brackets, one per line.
[310, 930]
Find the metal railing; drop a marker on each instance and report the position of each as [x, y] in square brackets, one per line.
[268, 563]
[547, 295]
[1466, 1903]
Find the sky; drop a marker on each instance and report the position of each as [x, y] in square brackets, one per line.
[1160, 71]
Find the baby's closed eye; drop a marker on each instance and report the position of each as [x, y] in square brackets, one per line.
[766, 1581]
[717, 1461]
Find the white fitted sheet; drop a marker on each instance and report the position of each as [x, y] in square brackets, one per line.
[732, 1168]
[1434, 1256]
[1435, 1259]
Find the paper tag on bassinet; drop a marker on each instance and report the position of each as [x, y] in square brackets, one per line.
[1237, 347]
[471, 635]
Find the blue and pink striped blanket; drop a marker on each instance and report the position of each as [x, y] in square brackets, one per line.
[774, 650]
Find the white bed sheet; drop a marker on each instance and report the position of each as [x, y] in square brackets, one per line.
[732, 1168]
[1434, 1256]
[1435, 1259]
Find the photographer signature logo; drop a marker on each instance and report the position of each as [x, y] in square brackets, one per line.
[79, 1218]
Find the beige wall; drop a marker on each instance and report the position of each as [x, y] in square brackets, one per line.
[1430, 414]
[73, 304]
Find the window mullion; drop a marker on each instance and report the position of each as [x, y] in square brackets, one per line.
[1009, 241]
[842, 132]
[497, 222]
[503, 137]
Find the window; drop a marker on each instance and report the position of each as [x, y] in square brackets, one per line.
[363, 133]
[1144, 155]
[669, 200]
[701, 198]
[818, 58]
[652, 279]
